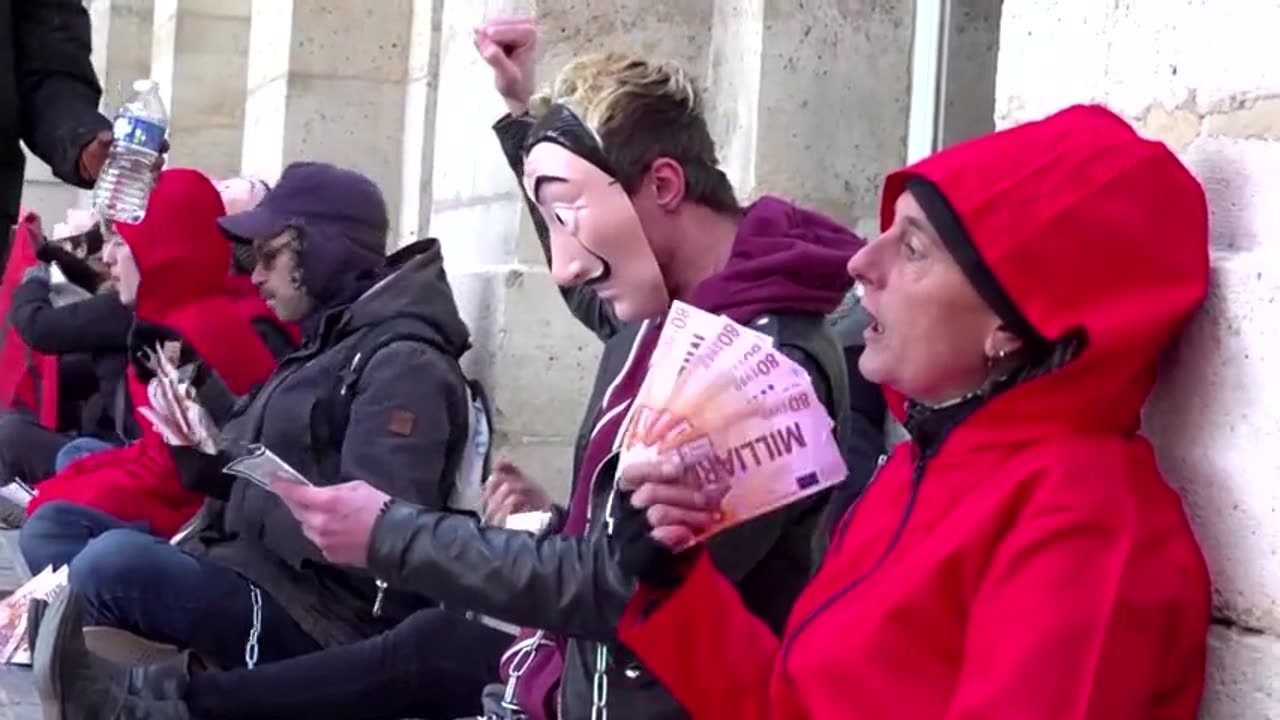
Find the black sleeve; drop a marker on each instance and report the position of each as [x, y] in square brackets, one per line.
[77, 270]
[57, 87]
[571, 586]
[202, 473]
[583, 302]
[96, 324]
[277, 340]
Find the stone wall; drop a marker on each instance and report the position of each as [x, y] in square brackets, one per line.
[1203, 77]
[808, 101]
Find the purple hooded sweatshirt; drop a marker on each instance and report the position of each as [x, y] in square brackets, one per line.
[784, 259]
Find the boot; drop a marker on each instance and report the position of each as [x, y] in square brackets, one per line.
[157, 692]
[75, 684]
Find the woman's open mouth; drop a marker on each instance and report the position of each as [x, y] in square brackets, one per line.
[874, 328]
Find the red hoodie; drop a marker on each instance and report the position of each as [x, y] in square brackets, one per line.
[182, 260]
[1047, 571]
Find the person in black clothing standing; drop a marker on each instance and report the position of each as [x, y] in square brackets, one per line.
[49, 98]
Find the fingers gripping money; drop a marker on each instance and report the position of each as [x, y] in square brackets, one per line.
[740, 418]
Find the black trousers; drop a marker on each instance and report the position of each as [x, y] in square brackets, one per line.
[28, 450]
[433, 666]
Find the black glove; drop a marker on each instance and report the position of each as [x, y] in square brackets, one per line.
[201, 472]
[143, 341]
[642, 557]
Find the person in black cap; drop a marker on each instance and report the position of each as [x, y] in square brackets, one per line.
[375, 392]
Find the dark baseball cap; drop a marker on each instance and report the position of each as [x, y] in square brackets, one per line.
[313, 195]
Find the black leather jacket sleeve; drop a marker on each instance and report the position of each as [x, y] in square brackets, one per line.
[568, 586]
[584, 304]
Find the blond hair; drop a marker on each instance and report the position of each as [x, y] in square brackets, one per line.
[640, 110]
[602, 87]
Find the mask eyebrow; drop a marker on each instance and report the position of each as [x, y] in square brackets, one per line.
[541, 181]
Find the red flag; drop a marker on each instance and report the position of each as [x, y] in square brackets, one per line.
[28, 380]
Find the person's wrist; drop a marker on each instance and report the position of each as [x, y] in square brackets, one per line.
[517, 107]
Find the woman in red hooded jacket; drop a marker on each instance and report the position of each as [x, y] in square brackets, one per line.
[1020, 557]
[175, 265]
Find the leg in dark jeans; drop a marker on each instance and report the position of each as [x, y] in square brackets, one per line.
[59, 530]
[140, 583]
[433, 665]
[81, 447]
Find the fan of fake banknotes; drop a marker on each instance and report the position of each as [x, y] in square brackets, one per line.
[742, 418]
[173, 409]
[178, 416]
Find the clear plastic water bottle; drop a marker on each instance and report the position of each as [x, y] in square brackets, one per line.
[126, 179]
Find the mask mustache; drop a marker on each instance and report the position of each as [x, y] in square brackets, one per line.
[606, 270]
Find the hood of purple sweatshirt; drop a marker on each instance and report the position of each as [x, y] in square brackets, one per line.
[784, 259]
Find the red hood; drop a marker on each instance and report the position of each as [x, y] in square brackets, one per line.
[239, 287]
[1085, 225]
[181, 254]
[784, 259]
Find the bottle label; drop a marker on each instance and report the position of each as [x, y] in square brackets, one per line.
[139, 132]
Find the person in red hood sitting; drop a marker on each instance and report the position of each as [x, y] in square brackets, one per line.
[1021, 557]
[172, 268]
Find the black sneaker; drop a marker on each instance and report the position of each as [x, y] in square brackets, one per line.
[75, 684]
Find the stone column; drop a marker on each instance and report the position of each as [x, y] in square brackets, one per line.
[199, 55]
[121, 46]
[1216, 412]
[326, 81]
[812, 104]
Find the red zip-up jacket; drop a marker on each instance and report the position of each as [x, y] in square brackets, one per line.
[183, 260]
[1047, 572]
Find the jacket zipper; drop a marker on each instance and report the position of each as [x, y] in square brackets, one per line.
[303, 358]
[847, 520]
[917, 474]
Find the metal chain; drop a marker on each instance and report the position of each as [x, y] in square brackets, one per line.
[251, 647]
[519, 664]
[600, 681]
[600, 685]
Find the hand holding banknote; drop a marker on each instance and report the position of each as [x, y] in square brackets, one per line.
[172, 407]
[724, 428]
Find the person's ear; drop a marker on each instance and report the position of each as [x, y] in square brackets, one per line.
[667, 179]
[1001, 344]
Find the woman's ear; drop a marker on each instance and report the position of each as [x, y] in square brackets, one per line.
[1002, 343]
